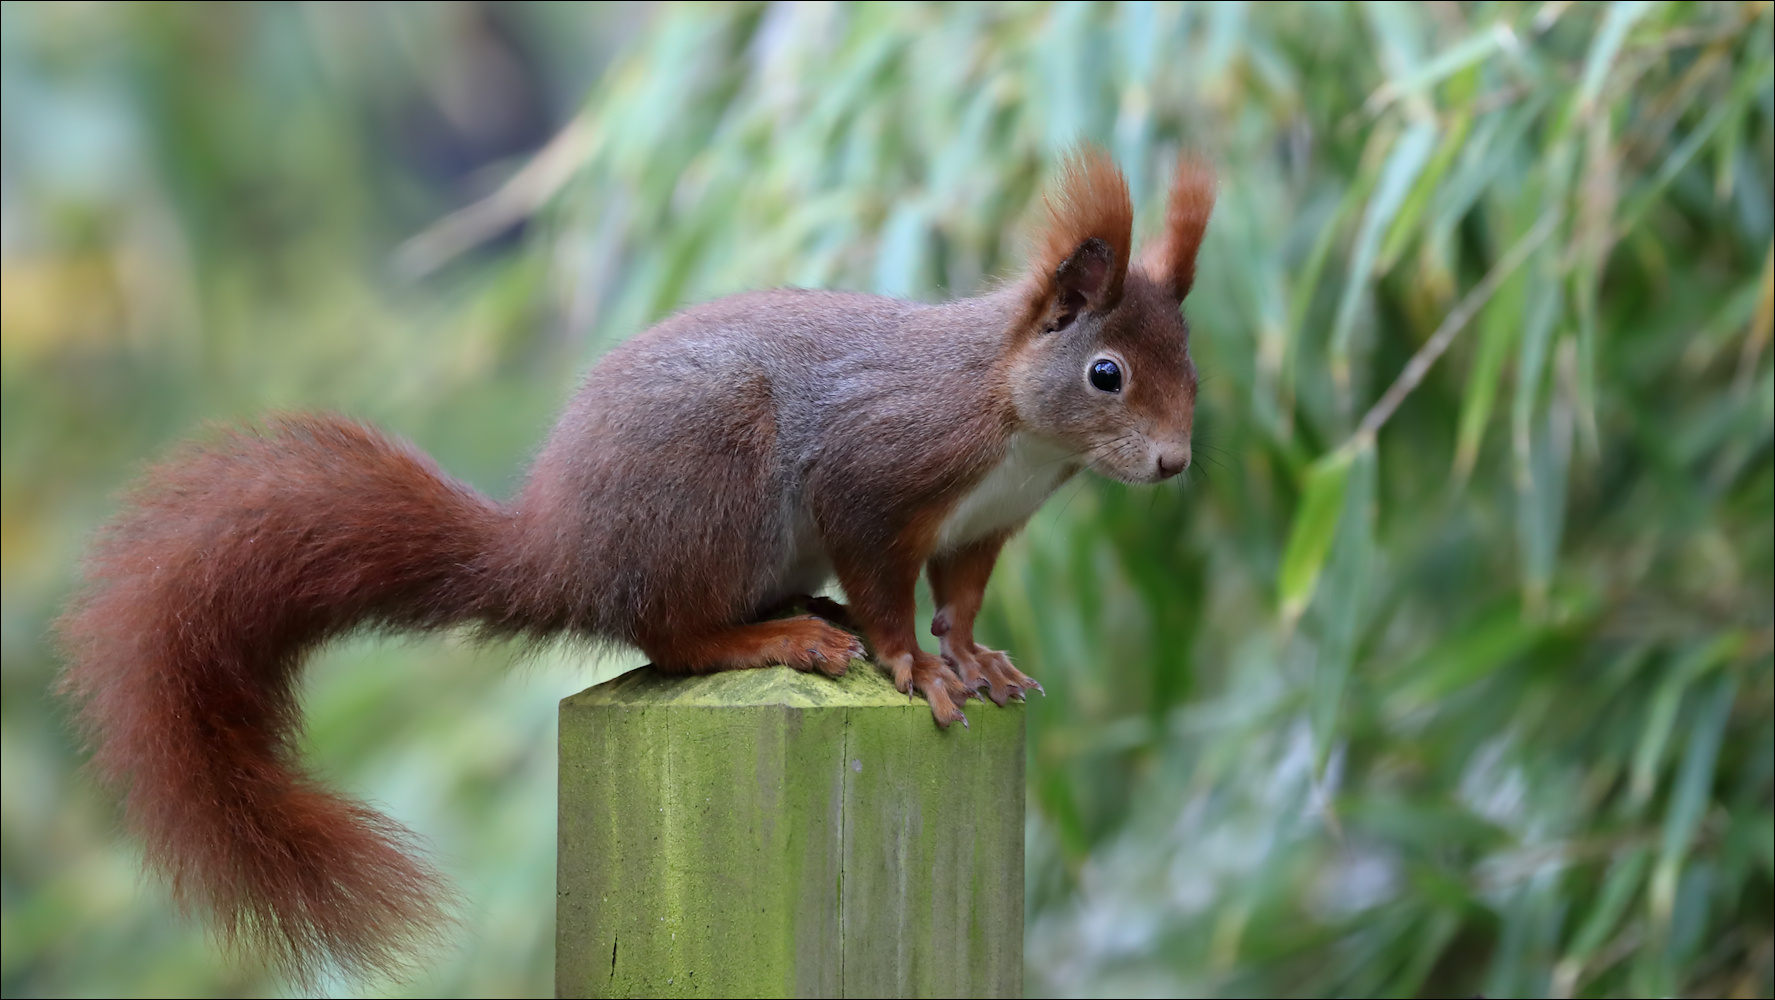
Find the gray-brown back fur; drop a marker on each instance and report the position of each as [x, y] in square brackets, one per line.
[676, 481]
[717, 463]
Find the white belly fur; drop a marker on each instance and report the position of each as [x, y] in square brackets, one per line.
[1032, 470]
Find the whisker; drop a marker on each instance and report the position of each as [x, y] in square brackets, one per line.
[1215, 461]
[1075, 495]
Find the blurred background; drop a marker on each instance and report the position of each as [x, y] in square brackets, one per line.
[1470, 695]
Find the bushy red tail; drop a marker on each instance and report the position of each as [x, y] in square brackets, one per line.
[224, 567]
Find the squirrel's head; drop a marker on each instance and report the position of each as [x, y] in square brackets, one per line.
[1101, 364]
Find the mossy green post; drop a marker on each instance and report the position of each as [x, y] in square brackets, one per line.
[771, 833]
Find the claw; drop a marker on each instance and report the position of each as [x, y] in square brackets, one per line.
[991, 675]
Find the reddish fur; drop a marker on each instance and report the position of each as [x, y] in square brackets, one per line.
[880, 585]
[1171, 259]
[958, 585]
[1090, 202]
[225, 565]
[803, 642]
[671, 509]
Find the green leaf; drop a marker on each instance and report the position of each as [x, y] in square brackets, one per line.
[1500, 327]
[1620, 17]
[901, 259]
[1338, 609]
[1405, 223]
[1306, 282]
[1420, 825]
[1410, 152]
[1540, 453]
[1428, 950]
[1473, 652]
[1661, 713]
[1625, 875]
[1398, 33]
[1315, 525]
[1648, 194]
[1541, 494]
[1459, 56]
[1694, 782]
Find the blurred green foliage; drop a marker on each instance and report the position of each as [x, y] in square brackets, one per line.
[1470, 691]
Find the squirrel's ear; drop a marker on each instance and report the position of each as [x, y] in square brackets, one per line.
[1081, 256]
[1081, 282]
[1170, 260]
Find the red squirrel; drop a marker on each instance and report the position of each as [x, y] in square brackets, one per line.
[709, 475]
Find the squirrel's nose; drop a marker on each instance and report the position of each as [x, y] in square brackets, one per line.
[1172, 459]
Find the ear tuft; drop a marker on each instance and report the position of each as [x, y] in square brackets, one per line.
[1082, 253]
[1170, 259]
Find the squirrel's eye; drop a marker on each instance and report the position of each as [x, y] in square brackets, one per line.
[1106, 375]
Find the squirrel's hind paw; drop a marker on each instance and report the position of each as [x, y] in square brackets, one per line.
[988, 670]
[813, 644]
[1003, 681]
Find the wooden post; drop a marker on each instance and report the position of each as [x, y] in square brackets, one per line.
[772, 833]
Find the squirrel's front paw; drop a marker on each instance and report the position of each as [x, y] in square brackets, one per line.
[981, 668]
[931, 677]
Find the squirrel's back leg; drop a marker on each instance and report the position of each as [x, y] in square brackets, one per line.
[803, 642]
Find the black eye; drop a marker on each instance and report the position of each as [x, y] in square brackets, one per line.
[1106, 375]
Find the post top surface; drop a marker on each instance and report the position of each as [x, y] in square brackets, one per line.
[862, 685]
